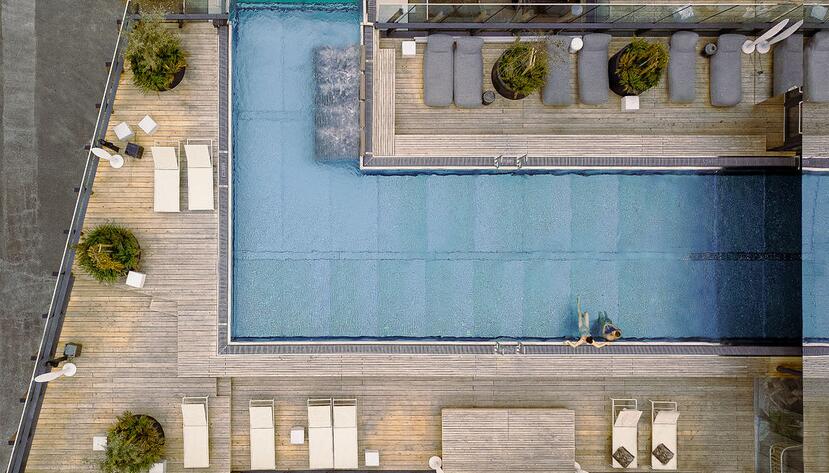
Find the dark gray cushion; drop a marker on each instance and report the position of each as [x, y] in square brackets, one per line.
[623, 456]
[816, 68]
[663, 453]
[469, 72]
[557, 89]
[788, 64]
[682, 67]
[437, 71]
[726, 71]
[593, 81]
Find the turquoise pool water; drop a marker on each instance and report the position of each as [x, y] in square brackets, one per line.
[816, 257]
[323, 251]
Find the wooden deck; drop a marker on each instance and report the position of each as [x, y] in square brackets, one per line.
[658, 129]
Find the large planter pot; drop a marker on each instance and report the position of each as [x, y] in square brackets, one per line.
[501, 87]
[615, 82]
[176, 79]
[156, 425]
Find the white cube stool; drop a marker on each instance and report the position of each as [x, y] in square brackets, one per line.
[136, 279]
[148, 125]
[372, 458]
[409, 48]
[99, 443]
[297, 435]
[123, 131]
[160, 467]
[630, 103]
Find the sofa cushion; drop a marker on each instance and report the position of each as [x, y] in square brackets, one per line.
[594, 83]
[623, 456]
[816, 68]
[469, 72]
[726, 81]
[788, 64]
[663, 453]
[438, 71]
[682, 67]
[557, 88]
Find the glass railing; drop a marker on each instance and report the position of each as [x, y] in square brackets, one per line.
[486, 11]
[204, 6]
[816, 13]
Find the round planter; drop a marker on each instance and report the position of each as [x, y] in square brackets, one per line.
[156, 425]
[615, 82]
[501, 87]
[176, 79]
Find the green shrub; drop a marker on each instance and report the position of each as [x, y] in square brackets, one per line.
[155, 55]
[523, 67]
[108, 252]
[158, 6]
[641, 65]
[133, 444]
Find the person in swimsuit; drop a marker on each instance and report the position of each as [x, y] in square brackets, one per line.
[585, 338]
[609, 330]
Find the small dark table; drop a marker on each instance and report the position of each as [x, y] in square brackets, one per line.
[488, 97]
[709, 50]
[134, 150]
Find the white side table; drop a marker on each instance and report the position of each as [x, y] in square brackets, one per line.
[297, 435]
[148, 125]
[99, 443]
[372, 458]
[160, 467]
[409, 48]
[630, 103]
[575, 45]
[123, 131]
[136, 279]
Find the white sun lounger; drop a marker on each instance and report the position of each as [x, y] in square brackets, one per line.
[664, 416]
[625, 430]
[262, 447]
[196, 436]
[199, 177]
[166, 185]
[320, 434]
[345, 434]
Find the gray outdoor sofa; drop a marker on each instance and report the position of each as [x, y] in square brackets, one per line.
[726, 66]
[788, 64]
[469, 72]
[594, 83]
[438, 71]
[557, 89]
[682, 67]
[816, 68]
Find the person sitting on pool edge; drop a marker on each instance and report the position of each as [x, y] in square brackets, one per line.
[585, 338]
[609, 330]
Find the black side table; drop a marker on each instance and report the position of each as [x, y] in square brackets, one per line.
[488, 97]
[134, 150]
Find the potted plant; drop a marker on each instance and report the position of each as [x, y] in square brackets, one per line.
[520, 70]
[158, 6]
[108, 252]
[134, 443]
[155, 56]
[637, 67]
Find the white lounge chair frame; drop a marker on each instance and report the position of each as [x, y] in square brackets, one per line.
[196, 432]
[345, 434]
[167, 178]
[664, 416]
[320, 434]
[199, 155]
[262, 434]
[625, 425]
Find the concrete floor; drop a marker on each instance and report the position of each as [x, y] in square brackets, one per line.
[53, 72]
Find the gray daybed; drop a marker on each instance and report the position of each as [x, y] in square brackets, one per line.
[557, 90]
[438, 71]
[816, 68]
[469, 72]
[593, 80]
[726, 66]
[788, 64]
[682, 67]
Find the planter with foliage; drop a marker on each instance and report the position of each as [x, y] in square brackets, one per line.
[520, 70]
[108, 253]
[155, 56]
[158, 6]
[134, 443]
[637, 67]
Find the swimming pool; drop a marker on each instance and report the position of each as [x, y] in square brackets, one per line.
[322, 251]
[816, 257]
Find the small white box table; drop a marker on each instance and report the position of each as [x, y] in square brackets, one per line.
[160, 467]
[136, 279]
[148, 125]
[409, 48]
[297, 435]
[123, 131]
[372, 458]
[630, 103]
[99, 443]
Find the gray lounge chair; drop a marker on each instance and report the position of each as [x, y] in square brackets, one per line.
[682, 67]
[726, 73]
[469, 72]
[557, 89]
[593, 80]
[816, 68]
[788, 64]
[437, 71]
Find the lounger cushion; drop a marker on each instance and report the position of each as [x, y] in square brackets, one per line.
[788, 64]
[816, 68]
[663, 453]
[726, 71]
[682, 67]
[469, 72]
[557, 90]
[438, 71]
[594, 83]
[623, 456]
